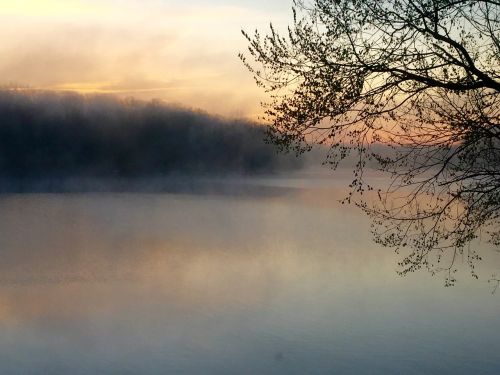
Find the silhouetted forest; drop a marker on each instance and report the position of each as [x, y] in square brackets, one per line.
[46, 135]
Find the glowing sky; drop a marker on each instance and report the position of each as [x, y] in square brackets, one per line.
[183, 52]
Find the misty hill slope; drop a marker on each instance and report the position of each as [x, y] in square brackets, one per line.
[47, 135]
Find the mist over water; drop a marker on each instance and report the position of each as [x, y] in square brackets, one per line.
[141, 238]
[276, 281]
[47, 137]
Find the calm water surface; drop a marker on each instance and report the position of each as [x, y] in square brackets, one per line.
[264, 281]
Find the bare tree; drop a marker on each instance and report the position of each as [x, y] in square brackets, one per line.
[421, 77]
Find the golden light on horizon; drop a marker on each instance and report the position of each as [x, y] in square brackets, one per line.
[180, 53]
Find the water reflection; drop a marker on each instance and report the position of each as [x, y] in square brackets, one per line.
[224, 284]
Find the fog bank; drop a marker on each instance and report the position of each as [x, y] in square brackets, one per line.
[66, 135]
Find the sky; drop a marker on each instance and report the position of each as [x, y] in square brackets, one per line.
[182, 52]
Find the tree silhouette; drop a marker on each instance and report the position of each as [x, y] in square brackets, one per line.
[420, 77]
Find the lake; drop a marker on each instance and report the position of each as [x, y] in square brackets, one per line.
[245, 276]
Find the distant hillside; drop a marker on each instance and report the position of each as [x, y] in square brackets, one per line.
[45, 135]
